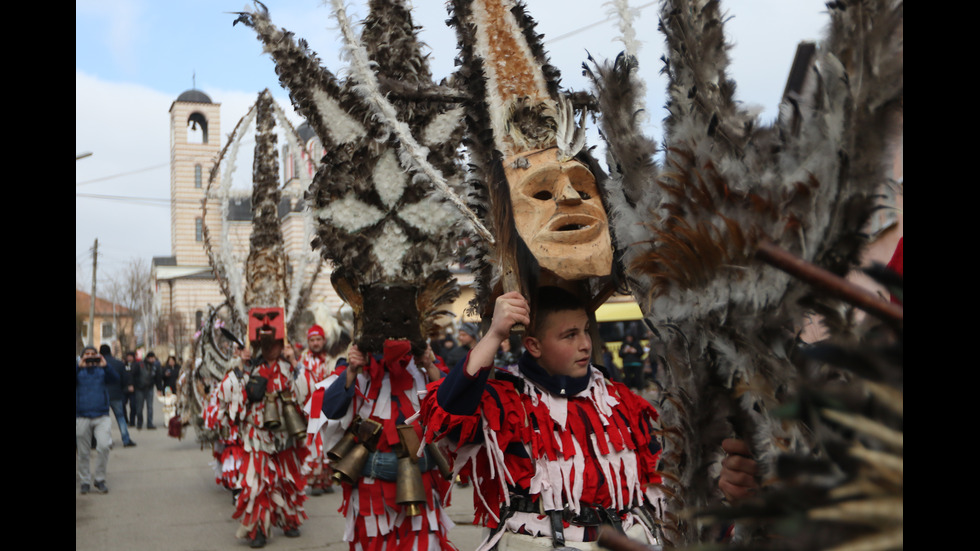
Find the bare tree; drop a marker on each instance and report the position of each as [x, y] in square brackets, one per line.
[132, 288]
[171, 329]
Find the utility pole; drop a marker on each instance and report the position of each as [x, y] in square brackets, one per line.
[91, 306]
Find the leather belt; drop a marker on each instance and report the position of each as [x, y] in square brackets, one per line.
[384, 465]
[588, 515]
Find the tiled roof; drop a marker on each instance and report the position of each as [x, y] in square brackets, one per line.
[102, 306]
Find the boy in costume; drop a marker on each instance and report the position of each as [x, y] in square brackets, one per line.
[557, 450]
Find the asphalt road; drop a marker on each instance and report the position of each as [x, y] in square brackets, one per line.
[163, 496]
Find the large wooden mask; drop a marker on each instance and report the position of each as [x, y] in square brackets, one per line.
[559, 214]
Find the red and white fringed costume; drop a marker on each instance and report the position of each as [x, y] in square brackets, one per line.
[273, 481]
[224, 414]
[313, 368]
[386, 391]
[592, 449]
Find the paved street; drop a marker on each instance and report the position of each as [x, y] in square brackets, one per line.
[162, 496]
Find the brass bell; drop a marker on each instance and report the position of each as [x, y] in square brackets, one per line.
[368, 431]
[409, 490]
[348, 468]
[270, 414]
[295, 424]
[340, 449]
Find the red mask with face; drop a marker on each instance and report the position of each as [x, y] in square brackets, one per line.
[268, 323]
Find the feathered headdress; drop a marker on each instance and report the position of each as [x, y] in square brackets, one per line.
[517, 111]
[692, 232]
[264, 283]
[383, 197]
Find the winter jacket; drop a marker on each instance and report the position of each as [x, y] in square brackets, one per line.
[148, 376]
[116, 390]
[91, 390]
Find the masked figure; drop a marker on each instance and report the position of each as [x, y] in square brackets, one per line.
[390, 240]
[274, 437]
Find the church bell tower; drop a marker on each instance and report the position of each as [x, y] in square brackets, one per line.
[195, 136]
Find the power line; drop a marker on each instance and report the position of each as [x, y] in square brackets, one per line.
[591, 25]
[137, 171]
[150, 201]
[120, 175]
[145, 201]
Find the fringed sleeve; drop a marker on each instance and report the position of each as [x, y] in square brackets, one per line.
[477, 441]
[642, 420]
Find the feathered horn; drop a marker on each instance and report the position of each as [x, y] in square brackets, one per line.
[515, 108]
[413, 153]
[266, 238]
[690, 230]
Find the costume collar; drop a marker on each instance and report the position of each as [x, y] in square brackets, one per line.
[559, 385]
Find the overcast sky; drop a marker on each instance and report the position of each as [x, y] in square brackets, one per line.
[134, 57]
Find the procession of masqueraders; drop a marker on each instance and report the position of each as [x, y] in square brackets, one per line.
[492, 166]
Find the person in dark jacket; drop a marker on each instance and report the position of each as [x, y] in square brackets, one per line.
[469, 334]
[116, 395]
[147, 380]
[631, 352]
[171, 370]
[93, 377]
[128, 374]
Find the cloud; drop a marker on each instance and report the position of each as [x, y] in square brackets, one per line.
[118, 25]
[125, 127]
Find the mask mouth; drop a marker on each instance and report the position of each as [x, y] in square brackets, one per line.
[564, 227]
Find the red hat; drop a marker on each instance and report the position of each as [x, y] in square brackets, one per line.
[315, 330]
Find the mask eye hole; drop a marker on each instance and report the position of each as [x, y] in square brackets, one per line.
[272, 315]
[259, 316]
[543, 195]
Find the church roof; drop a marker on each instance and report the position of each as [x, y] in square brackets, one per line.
[305, 132]
[194, 96]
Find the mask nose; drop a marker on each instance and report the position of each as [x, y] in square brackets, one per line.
[566, 192]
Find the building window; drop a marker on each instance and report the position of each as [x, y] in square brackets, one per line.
[197, 176]
[199, 229]
[108, 330]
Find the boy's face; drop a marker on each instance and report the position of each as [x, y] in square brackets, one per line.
[563, 345]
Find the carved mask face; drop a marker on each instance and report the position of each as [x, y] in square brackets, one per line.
[558, 213]
[267, 323]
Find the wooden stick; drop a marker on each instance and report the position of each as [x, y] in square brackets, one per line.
[510, 282]
[835, 285]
